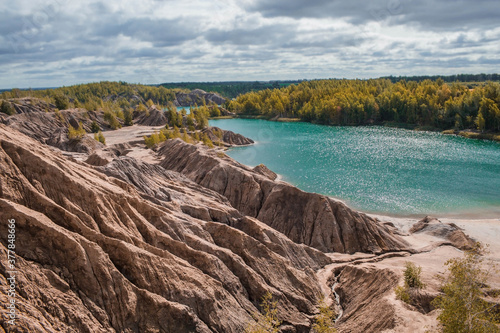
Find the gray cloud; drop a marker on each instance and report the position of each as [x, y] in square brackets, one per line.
[428, 14]
[66, 42]
[265, 35]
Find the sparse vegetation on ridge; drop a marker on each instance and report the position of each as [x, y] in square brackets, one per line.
[117, 99]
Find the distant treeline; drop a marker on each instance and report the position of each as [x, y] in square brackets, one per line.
[428, 103]
[93, 96]
[447, 78]
[230, 89]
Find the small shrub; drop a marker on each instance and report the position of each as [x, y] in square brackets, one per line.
[176, 133]
[412, 283]
[94, 127]
[142, 108]
[412, 276]
[99, 137]
[266, 321]
[119, 114]
[162, 137]
[152, 140]
[59, 115]
[186, 138]
[156, 138]
[76, 133]
[91, 105]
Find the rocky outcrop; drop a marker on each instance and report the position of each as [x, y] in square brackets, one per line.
[229, 138]
[265, 171]
[226, 113]
[52, 128]
[99, 158]
[312, 219]
[59, 139]
[132, 247]
[198, 97]
[29, 105]
[153, 117]
[447, 231]
[363, 292]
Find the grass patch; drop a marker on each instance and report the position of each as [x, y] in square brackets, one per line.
[289, 120]
[222, 117]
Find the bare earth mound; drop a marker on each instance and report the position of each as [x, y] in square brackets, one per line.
[98, 254]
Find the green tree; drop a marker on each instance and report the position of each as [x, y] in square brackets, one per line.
[190, 122]
[214, 111]
[480, 122]
[61, 102]
[458, 122]
[176, 133]
[161, 136]
[113, 122]
[267, 320]
[463, 308]
[127, 117]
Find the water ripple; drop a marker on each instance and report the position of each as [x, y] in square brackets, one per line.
[377, 169]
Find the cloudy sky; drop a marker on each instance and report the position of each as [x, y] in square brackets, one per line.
[62, 42]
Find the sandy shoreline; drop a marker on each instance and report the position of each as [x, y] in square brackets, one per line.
[484, 230]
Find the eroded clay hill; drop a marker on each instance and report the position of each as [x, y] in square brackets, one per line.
[308, 218]
[187, 245]
[98, 254]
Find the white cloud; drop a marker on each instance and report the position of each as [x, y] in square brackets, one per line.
[61, 42]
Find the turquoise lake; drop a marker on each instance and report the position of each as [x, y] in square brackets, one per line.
[378, 169]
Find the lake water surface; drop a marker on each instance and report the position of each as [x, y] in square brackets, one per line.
[378, 169]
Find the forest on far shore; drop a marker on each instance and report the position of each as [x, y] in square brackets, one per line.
[427, 104]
